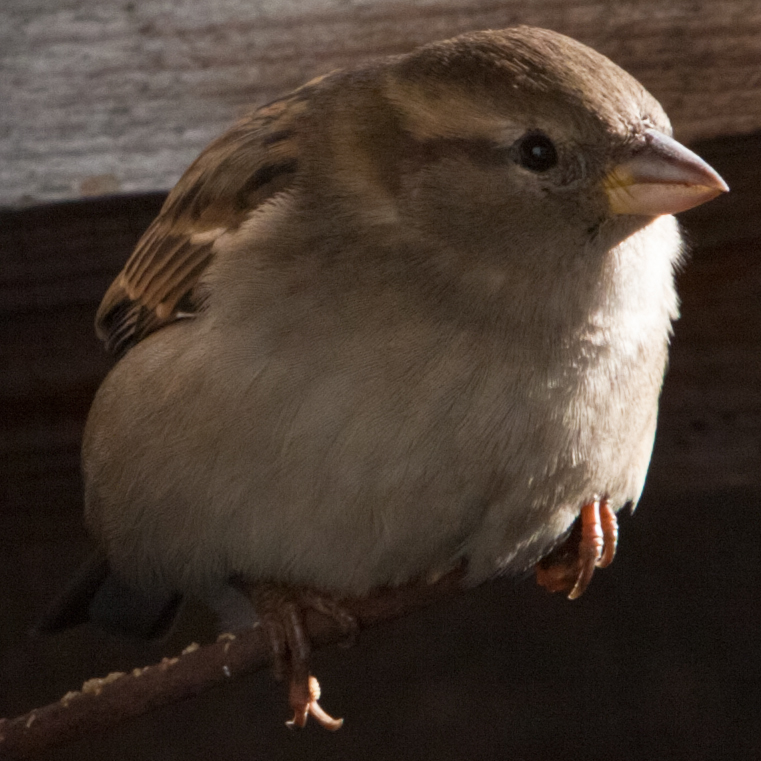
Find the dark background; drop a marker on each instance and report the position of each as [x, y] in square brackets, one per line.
[659, 660]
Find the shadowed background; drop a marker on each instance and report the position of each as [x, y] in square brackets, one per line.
[659, 659]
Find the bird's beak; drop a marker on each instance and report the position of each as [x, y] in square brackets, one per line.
[662, 177]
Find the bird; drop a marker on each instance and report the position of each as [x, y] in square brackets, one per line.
[412, 316]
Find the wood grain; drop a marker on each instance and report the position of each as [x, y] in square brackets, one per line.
[99, 98]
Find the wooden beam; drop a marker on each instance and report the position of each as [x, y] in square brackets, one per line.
[99, 98]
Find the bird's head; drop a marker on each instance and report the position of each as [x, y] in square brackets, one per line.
[494, 158]
[522, 135]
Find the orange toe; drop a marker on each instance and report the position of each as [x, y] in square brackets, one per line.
[591, 544]
[281, 612]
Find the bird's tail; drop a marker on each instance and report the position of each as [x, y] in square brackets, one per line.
[98, 595]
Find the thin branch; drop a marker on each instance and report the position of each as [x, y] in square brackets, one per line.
[103, 703]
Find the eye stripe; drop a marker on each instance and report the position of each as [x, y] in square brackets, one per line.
[482, 152]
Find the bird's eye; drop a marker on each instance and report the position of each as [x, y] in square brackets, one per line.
[536, 152]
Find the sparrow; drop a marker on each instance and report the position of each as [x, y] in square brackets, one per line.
[411, 315]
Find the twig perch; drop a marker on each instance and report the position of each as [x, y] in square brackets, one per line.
[103, 703]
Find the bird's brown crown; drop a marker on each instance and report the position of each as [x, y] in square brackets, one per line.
[483, 77]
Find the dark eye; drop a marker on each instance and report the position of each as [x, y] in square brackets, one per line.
[536, 152]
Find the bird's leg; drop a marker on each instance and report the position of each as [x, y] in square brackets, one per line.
[591, 544]
[281, 611]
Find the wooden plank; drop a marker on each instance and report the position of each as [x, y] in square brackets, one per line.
[99, 98]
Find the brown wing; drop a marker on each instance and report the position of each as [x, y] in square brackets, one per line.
[255, 159]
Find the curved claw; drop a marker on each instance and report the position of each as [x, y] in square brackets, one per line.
[305, 703]
[591, 544]
[281, 611]
[609, 525]
[590, 547]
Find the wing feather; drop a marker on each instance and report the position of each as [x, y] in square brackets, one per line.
[255, 160]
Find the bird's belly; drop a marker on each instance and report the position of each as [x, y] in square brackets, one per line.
[348, 481]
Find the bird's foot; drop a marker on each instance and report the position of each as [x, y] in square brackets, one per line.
[281, 610]
[591, 544]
